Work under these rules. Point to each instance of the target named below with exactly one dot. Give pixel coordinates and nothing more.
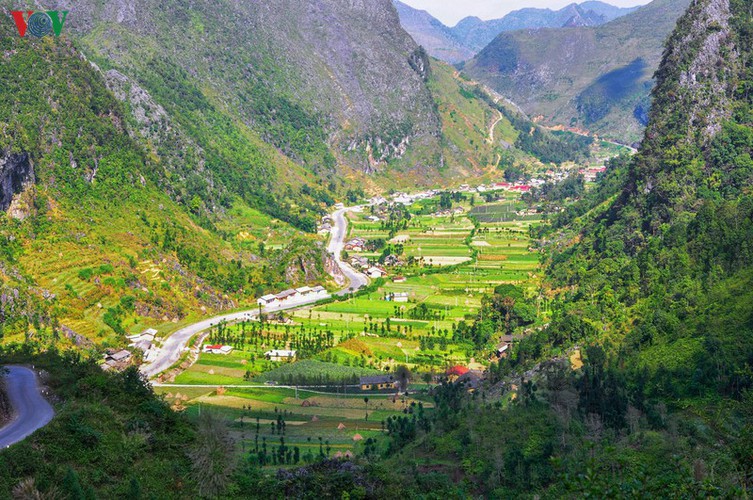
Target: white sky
(452, 11)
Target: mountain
(171, 159)
(165, 160)
(477, 34)
(321, 82)
(595, 78)
(439, 40)
(471, 34)
(651, 275)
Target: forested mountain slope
(595, 78)
(640, 385)
(315, 79)
(99, 234)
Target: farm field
(261, 420)
(447, 264)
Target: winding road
(175, 344)
(30, 410)
(335, 247)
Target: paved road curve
(171, 350)
(173, 347)
(31, 410)
(335, 247)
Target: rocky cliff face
(346, 67)
(698, 141)
(16, 175)
(697, 79)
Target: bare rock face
(16, 176)
(708, 80)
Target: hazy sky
(452, 11)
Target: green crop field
(449, 262)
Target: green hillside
(92, 241)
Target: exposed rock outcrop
(16, 176)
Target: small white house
(266, 300)
(218, 349)
(280, 355)
(375, 272)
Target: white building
(218, 349)
(267, 300)
(280, 355)
(375, 272)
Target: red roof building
(457, 371)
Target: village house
(280, 355)
(397, 297)
(117, 359)
(286, 296)
(359, 262)
(375, 272)
(218, 349)
(267, 300)
(378, 383)
(399, 279)
(471, 379)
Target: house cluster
(325, 225)
(217, 349)
(449, 212)
(355, 245)
(144, 342)
(362, 264)
(591, 173)
(294, 296)
(280, 355)
(409, 199)
(378, 383)
(358, 262)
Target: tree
(403, 375)
(72, 487)
(213, 457)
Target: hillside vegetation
(99, 237)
